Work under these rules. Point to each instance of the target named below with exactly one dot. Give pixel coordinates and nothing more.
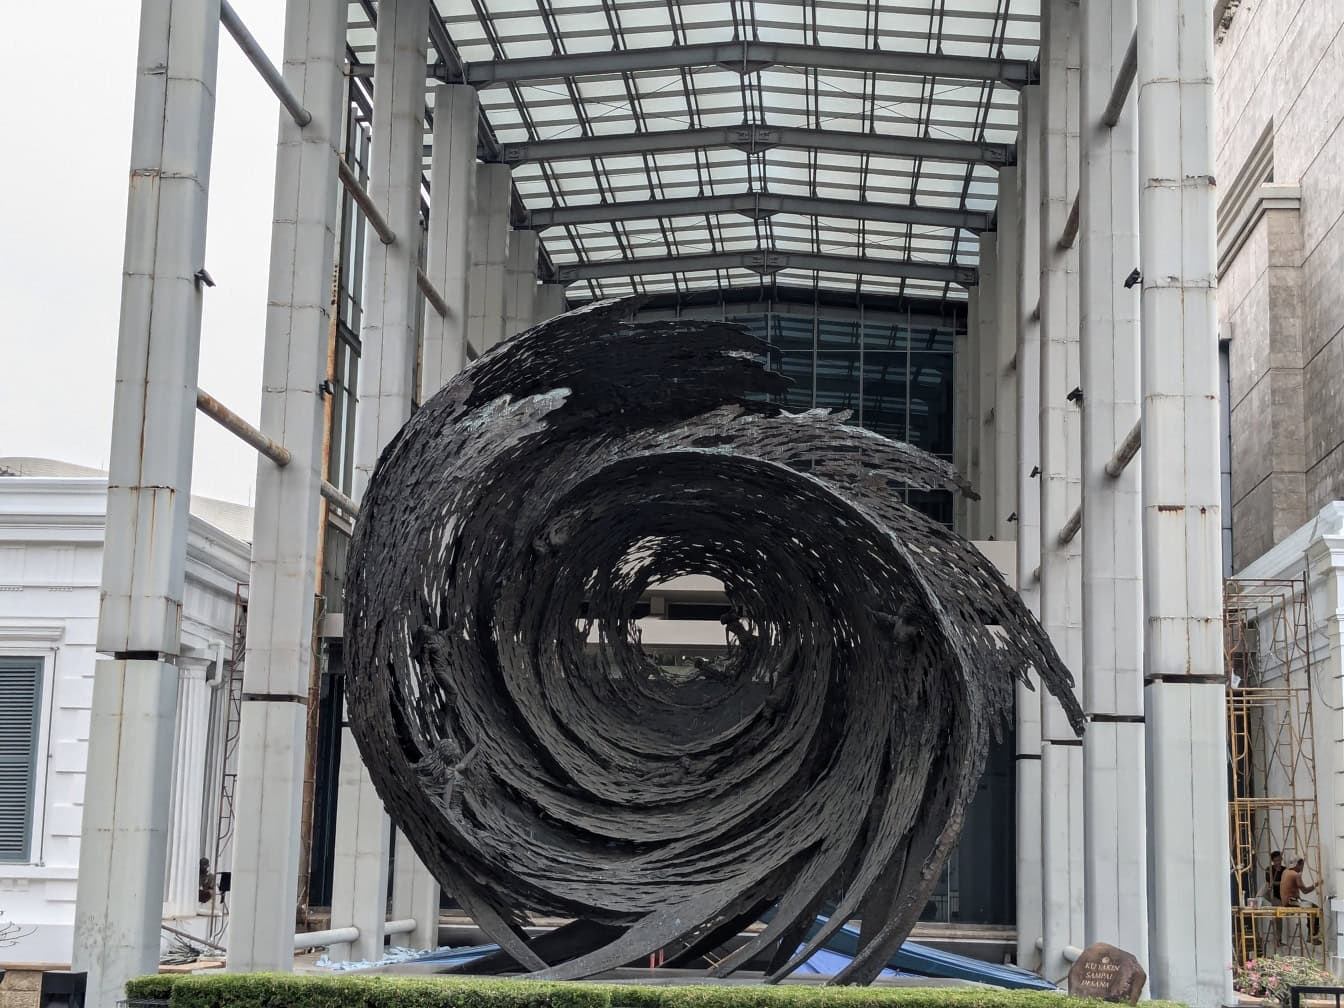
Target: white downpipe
(331, 936)
(215, 678)
(348, 935)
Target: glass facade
(890, 368)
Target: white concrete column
(961, 406)
(1061, 567)
(1029, 354)
(971, 392)
(550, 302)
(182, 885)
(520, 293)
(359, 860)
(415, 895)
(987, 365)
(386, 377)
(1030, 922)
(124, 841)
(415, 892)
(391, 298)
(1189, 889)
(489, 255)
(268, 809)
(452, 185)
(1005, 358)
(1114, 817)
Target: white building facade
(51, 555)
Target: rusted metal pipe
(1070, 235)
(307, 803)
(1124, 80)
(365, 202)
(1125, 453)
(434, 298)
(1071, 528)
(251, 48)
(334, 495)
(239, 427)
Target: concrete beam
(268, 811)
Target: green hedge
(263, 990)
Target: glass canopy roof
(678, 145)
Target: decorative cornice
(1268, 197)
(31, 631)
(75, 512)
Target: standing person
(1291, 890)
(1273, 877)
(1269, 893)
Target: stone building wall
(1280, 157)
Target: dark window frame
(15, 779)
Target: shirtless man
(1292, 889)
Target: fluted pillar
(182, 882)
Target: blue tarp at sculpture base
(824, 963)
(912, 960)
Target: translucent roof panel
(681, 145)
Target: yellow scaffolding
(1267, 645)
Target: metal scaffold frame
(1271, 749)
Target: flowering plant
(1274, 975)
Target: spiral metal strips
(824, 765)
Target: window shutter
(20, 704)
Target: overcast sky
(63, 175)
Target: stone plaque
(1106, 972)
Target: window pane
(20, 702)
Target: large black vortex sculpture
(824, 766)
